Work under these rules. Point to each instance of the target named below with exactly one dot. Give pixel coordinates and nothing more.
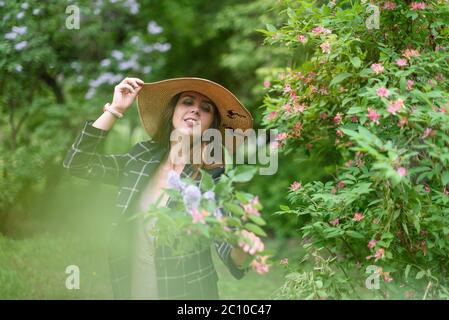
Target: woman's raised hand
(125, 93)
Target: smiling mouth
(191, 121)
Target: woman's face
(193, 109)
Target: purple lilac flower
(191, 197)
(174, 181)
(209, 195)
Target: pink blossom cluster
(260, 265)
(250, 243)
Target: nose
(195, 109)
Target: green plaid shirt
(190, 276)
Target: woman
(139, 268)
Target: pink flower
(383, 92)
(325, 47)
(299, 107)
(199, 217)
(387, 277)
(250, 243)
(250, 209)
(320, 29)
(338, 117)
(358, 216)
(377, 68)
(427, 132)
(339, 133)
(354, 118)
(323, 115)
(410, 84)
(409, 53)
(281, 136)
(335, 222)
(402, 122)
(373, 115)
(389, 5)
(295, 186)
(401, 62)
(417, 6)
(402, 171)
(284, 261)
(341, 185)
(266, 84)
(287, 108)
(372, 244)
(259, 264)
(272, 115)
(287, 88)
(302, 38)
(379, 254)
(395, 106)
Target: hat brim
(154, 97)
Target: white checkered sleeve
(85, 159)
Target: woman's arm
(85, 158)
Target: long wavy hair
(165, 128)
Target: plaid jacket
(191, 276)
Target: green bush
(376, 98)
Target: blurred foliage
(54, 77)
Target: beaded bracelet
(107, 107)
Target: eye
(188, 102)
(206, 107)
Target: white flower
(36, 11)
(2, 3)
(19, 30)
(19, 68)
(105, 62)
(10, 35)
(162, 47)
(118, 55)
(21, 45)
(134, 40)
(24, 5)
(154, 28)
(132, 5)
(20, 15)
(90, 93)
(76, 66)
(147, 69)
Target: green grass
(34, 268)
(72, 227)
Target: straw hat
(154, 97)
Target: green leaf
(234, 208)
(356, 62)
(207, 183)
(354, 234)
(339, 78)
(420, 274)
(284, 208)
(271, 28)
(244, 173)
(258, 220)
(256, 229)
(445, 178)
(407, 271)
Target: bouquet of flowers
(203, 211)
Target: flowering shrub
(378, 99)
(211, 211)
